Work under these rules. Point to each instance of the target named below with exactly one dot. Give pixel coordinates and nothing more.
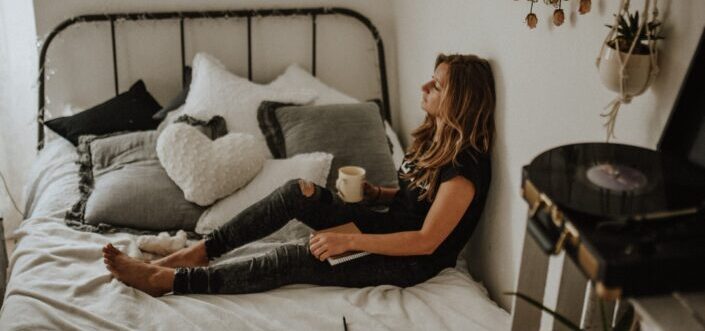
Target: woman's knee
(307, 190)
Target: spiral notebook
(349, 227)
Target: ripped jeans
(293, 263)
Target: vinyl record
(618, 182)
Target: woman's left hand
(325, 245)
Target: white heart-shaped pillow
(207, 170)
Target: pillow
(213, 129)
(295, 76)
(311, 166)
(178, 100)
(129, 111)
(171, 118)
(68, 110)
(123, 185)
(215, 91)
(397, 150)
(353, 133)
(207, 170)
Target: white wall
(548, 92)
(18, 62)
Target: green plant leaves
(627, 32)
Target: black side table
(625, 224)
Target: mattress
(58, 281)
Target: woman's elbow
(430, 249)
(428, 246)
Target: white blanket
(58, 281)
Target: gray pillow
(353, 133)
(123, 185)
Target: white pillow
(207, 170)
(397, 150)
(216, 91)
(294, 75)
(170, 118)
(276, 172)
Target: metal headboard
(182, 16)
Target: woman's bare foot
(151, 279)
(193, 256)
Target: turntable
(631, 218)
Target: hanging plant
(629, 32)
(628, 58)
(532, 20)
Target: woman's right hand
(371, 192)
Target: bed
(58, 280)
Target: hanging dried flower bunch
(558, 17)
(585, 6)
(531, 18)
(558, 13)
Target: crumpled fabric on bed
(58, 281)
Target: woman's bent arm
(452, 200)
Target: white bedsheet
(58, 281)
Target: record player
(633, 219)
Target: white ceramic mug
(350, 183)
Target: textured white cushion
(276, 172)
(216, 91)
(163, 243)
(207, 170)
(295, 76)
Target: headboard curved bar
(248, 13)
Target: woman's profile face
(432, 89)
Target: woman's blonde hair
(466, 117)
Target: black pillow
(178, 100)
(128, 111)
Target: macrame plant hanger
(624, 97)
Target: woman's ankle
(193, 256)
(163, 279)
(200, 253)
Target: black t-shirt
(470, 164)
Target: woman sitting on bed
(443, 181)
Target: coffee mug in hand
(351, 180)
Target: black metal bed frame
(182, 16)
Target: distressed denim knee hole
(308, 189)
